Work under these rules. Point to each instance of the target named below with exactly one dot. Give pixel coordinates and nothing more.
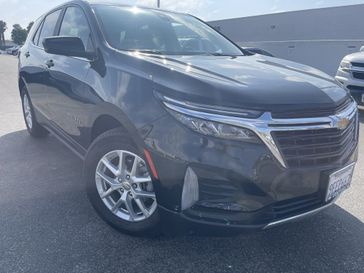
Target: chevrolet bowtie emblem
(343, 123)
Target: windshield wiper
(158, 52)
(223, 54)
(147, 51)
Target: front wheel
(119, 185)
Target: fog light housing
(190, 192)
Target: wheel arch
(107, 116)
(21, 84)
(103, 124)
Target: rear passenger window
(36, 35)
(75, 24)
(49, 26)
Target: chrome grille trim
(265, 124)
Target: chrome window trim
(266, 124)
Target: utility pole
(158, 3)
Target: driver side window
(75, 24)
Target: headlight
(345, 66)
(201, 119)
(220, 130)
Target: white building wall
(319, 37)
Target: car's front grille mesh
(358, 75)
(308, 148)
(357, 64)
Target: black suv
(173, 119)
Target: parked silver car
(13, 50)
(351, 75)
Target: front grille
(307, 113)
(354, 87)
(287, 208)
(358, 75)
(357, 64)
(321, 147)
(357, 93)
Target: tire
(106, 144)
(33, 127)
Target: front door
(69, 94)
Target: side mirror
(362, 48)
(66, 46)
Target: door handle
(27, 54)
(49, 63)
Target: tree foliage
(3, 28)
(19, 34)
(29, 27)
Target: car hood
(255, 82)
(355, 57)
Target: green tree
(2, 31)
(29, 27)
(19, 34)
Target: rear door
(35, 69)
(68, 92)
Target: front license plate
(339, 182)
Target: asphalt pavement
(48, 225)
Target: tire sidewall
(23, 94)
(108, 142)
(37, 130)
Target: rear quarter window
(36, 34)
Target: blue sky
(24, 11)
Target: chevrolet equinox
(175, 121)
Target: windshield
(160, 32)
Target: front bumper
(241, 185)
(355, 86)
(183, 222)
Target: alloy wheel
(27, 111)
(125, 186)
